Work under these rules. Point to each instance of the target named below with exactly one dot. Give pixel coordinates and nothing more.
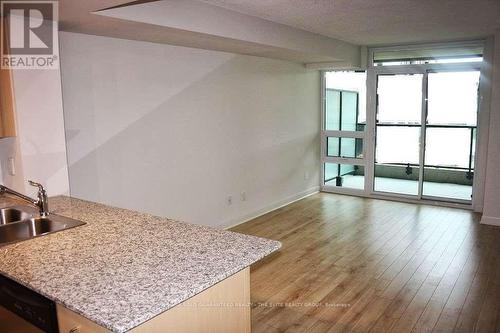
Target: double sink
(19, 223)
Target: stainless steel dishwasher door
(12, 323)
(23, 309)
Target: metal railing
(469, 168)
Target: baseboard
(270, 208)
(490, 220)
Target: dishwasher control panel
(29, 305)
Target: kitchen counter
(123, 267)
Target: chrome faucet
(42, 202)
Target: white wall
(39, 149)
(174, 131)
(491, 212)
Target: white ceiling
(306, 31)
(374, 22)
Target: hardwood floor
(351, 264)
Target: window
(344, 147)
(341, 110)
(452, 98)
(344, 175)
(399, 99)
(345, 101)
(343, 129)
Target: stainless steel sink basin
(13, 214)
(30, 225)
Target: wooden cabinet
(225, 307)
(7, 118)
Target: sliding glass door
(425, 134)
(398, 134)
(450, 136)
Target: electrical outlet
(229, 200)
(243, 196)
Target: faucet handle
(40, 186)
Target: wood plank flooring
(352, 264)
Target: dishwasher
(23, 310)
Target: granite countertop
(123, 267)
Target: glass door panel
(345, 176)
(344, 147)
(349, 114)
(451, 135)
(397, 160)
(398, 134)
(399, 99)
(341, 110)
(332, 110)
(452, 98)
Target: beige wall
(175, 131)
(491, 212)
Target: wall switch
(306, 175)
(243, 196)
(229, 200)
(12, 166)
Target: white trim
(420, 69)
(322, 128)
(451, 200)
(423, 133)
(342, 190)
(343, 160)
(277, 205)
(394, 197)
(490, 220)
(345, 134)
